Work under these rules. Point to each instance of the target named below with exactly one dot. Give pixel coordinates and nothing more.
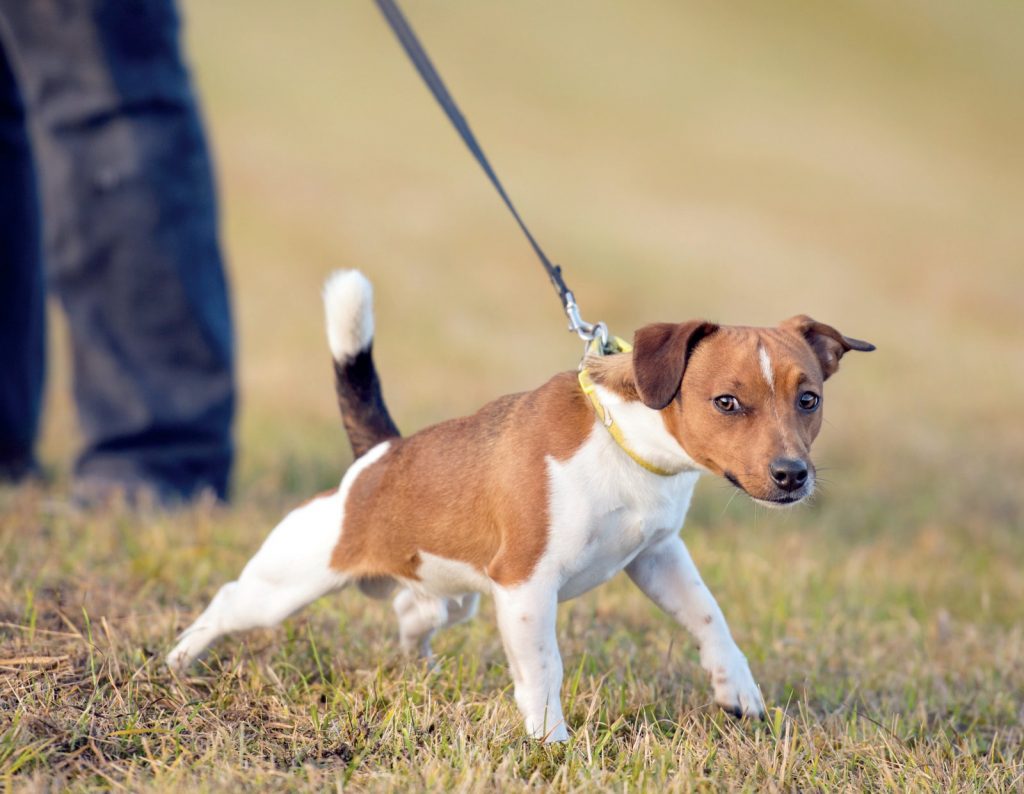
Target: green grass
(743, 162)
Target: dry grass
(743, 162)
(889, 662)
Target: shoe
(97, 491)
(17, 471)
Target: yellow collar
(590, 389)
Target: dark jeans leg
(22, 306)
(131, 239)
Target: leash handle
(411, 44)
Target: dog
(541, 496)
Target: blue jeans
(107, 198)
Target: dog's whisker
(735, 492)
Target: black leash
(411, 44)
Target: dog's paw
(181, 658)
(735, 689)
(548, 734)
(191, 644)
(178, 660)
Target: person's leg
(131, 241)
(22, 305)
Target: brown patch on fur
(827, 343)
(473, 489)
(660, 355)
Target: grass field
(743, 162)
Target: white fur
(645, 433)
(419, 616)
(526, 620)
(605, 509)
(448, 577)
(766, 367)
(609, 514)
(348, 305)
(291, 569)
(666, 573)
(445, 592)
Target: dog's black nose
(788, 473)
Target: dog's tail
(348, 304)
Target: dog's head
(745, 403)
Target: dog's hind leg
(289, 571)
(419, 617)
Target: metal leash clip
(588, 332)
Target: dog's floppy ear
(660, 352)
(827, 343)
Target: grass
(743, 162)
(888, 663)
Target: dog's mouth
(776, 497)
(783, 501)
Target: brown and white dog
(533, 501)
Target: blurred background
(742, 162)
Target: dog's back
(471, 490)
(424, 494)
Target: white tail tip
(348, 305)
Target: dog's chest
(605, 512)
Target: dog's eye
(726, 403)
(809, 401)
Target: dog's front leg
(666, 574)
(526, 619)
